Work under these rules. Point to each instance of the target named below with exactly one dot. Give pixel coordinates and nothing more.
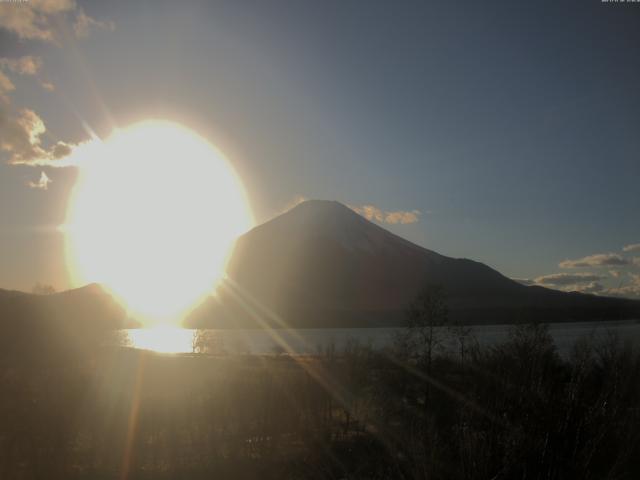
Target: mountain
(88, 306)
(321, 264)
(49, 327)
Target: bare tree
(462, 335)
(427, 316)
(207, 341)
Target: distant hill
(322, 265)
(88, 306)
(46, 328)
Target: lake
(313, 340)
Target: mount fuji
(321, 264)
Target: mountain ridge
(89, 305)
(322, 264)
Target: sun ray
(132, 422)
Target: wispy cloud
(595, 288)
(573, 282)
(634, 247)
(6, 86)
(84, 23)
(590, 282)
(42, 183)
(50, 87)
(629, 290)
(591, 287)
(568, 282)
(597, 260)
(26, 65)
(371, 212)
(564, 279)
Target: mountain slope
(40, 329)
(321, 264)
(89, 306)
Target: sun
(153, 218)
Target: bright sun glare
(152, 217)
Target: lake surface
(312, 341)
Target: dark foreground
(512, 411)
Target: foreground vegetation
(71, 410)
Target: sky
(505, 132)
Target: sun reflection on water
(163, 339)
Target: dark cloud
(61, 150)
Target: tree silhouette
(426, 317)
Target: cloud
(61, 150)
(525, 281)
(631, 290)
(6, 86)
(402, 217)
(42, 183)
(590, 282)
(634, 247)
(20, 137)
(84, 23)
(26, 65)
(565, 279)
(33, 20)
(39, 19)
(21, 131)
(371, 212)
(628, 291)
(50, 87)
(597, 260)
(573, 282)
(591, 287)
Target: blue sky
(511, 127)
